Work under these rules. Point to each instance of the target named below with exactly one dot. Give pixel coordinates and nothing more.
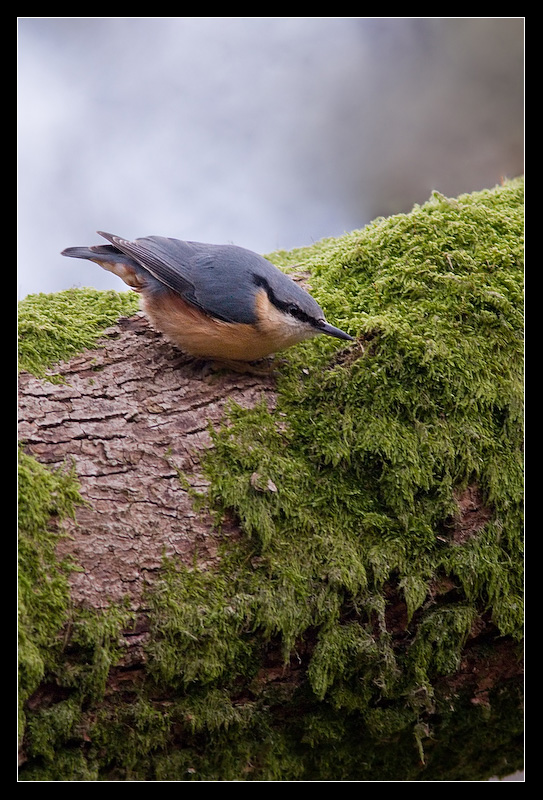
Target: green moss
(54, 327)
(129, 736)
(44, 497)
(197, 630)
(346, 651)
(78, 665)
(94, 650)
(376, 444)
(354, 583)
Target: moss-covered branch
(367, 622)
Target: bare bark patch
(472, 514)
(132, 415)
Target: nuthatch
(213, 301)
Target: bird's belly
(200, 335)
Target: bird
(215, 302)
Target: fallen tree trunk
(315, 576)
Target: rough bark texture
(133, 415)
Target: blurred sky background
(266, 132)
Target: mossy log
(311, 576)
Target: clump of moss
(77, 665)
(44, 497)
(367, 450)
(53, 327)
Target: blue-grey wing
(168, 260)
(212, 277)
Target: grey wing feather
(168, 260)
(211, 277)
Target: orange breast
(199, 335)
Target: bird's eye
(293, 309)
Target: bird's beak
(325, 327)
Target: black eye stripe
(297, 312)
(289, 308)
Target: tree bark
(132, 415)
